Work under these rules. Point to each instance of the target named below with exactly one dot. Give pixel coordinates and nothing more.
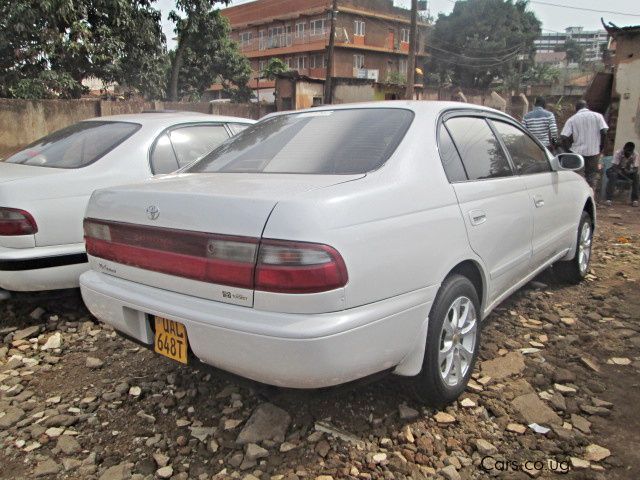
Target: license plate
(171, 339)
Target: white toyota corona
(322, 246)
(44, 188)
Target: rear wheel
(453, 340)
(574, 270)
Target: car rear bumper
(42, 268)
(288, 350)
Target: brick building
(372, 38)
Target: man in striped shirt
(585, 134)
(542, 124)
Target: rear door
(548, 201)
(494, 202)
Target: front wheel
(453, 341)
(574, 270)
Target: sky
(553, 18)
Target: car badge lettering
(153, 212)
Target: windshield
(75, 146)
(329, 142)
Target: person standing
(542, 124)
(624, 165)
(585, 134)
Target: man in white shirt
(585, 133)
(624, 165)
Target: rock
(467, 403)
(595, 453)
(62, 420)
(253, 452)
(322, 448)
(146, 416)
(578, 463)
(230, 424)
(12, 415)
(516, 428)
(135, 391)
(70, 464)
(619, 361)
(564, 389)
(54, 341)
(407, 413)
(161, 459)
(213, 446)
(581, 423)
(146, 466)
(46, 467)
(68, 445)
(287, 447)
(450, 473)
(26, 333)
(37, 313)
(379, 457)
(93, 362)
(484, 447)
(590, 364)
(54, 432)
(267, 422)
(443, 417)
(121, 471)
(535, 410)
(343, 435)
(165, 472)
(202, 433)
(502, 367)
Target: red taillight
(268, 265)
(16, 222)
(295, 267)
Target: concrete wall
(627, 89)
(306, 92)
(24, 121)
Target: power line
(583, 8)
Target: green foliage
(396, 78)
(575, 51)
(274, 67)
(204, 54)
(542, 74)
(483, 41)
(48, 47)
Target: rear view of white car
(44, 188)
(323, 246)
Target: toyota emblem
(153, 212)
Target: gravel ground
(555, 393)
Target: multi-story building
(593, 42)
(372, 38)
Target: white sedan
(44, 188)
(323, 246)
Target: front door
(494, 203)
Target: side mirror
(567, 161)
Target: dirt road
(78, 401)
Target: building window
(358, 61)
(301, 63)
(358, 28)
(300, 29)
(404, 66)
(263, 39)
(263, 65)
(317, 61)
(245, 38)
(276, 37)
(318, 27)
(289, 62)
(404, 35)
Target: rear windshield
(75, 146)
(323, 142)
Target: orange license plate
(171, 340)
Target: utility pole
(328, 87)
(413, 41)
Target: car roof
(428, 107)
(166, 119)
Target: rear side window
(320, 142)
(451, 161)
(527, 156)
(480, 150)
(76, 146)
(183, 145)
(192, 143)
(236, 128)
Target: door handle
(477, 217)
(538, 201)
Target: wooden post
(328, 87)
(413, 41)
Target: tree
(48, 47)
(274, 67)
(575, 51)
(205, 54)
(481, 41)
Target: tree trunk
(172, 94)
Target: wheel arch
(472, 270)
(590, 208)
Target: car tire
(452, 345)
(574, 270)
